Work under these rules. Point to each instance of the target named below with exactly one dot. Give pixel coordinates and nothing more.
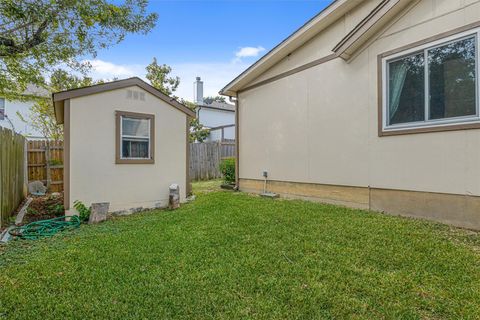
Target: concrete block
(98, 212)
(174, 196)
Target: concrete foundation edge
(453, 209)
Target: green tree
(209, 100)
(61, 80)
(158, 75)
(198, 133)
(38, 35)
(41, 115)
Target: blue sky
(213, 39)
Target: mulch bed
(45, 207)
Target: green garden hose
(45, 228)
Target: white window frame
(122, 136)
(426, 123)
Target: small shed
(125, 143)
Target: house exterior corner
(314, 121)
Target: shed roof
(60, 97)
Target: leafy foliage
(158, 75)
(61, 80)
(227, 168)
(198, 133)
(209, 100)
(38, 35)
(83, 211)
(45, 207)
(41, 115)
(42, 118)
(56, 209)
(55, 162)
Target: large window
(2, 109)
(135, 138)
(432, 85)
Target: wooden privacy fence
(13, 179)
(45, 163)
(205, 158)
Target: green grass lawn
(206, 186)
(231, 255)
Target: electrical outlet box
(265, 173)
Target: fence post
(47, 164)
(25, 168)
(12, 177)
(205, 159)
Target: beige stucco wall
(94, 176)
(320, 125)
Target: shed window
(432, 85)
(2, 109)
(135, 137)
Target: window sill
(134, 161)
(437, 128)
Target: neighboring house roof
(33, 90)
(373, 22)
(221, 127)
(222, 106)
(60, 97)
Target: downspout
(199, 107)
(235, 101)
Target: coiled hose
(45, 228)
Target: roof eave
(120, 84)
(318, 23)
(380, 17)
(58, 109)
(376, 21)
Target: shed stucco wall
(94, 176)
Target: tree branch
(11, 48)
(23, 26)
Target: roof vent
(135, 95)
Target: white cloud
(107, 70)
(249, 52)
(215, 75)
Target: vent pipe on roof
(198, 91)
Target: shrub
(56, 162)
(56, 209)
(227, 167)
(83, 211)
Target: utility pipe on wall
(265, 175)
(234, 100)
